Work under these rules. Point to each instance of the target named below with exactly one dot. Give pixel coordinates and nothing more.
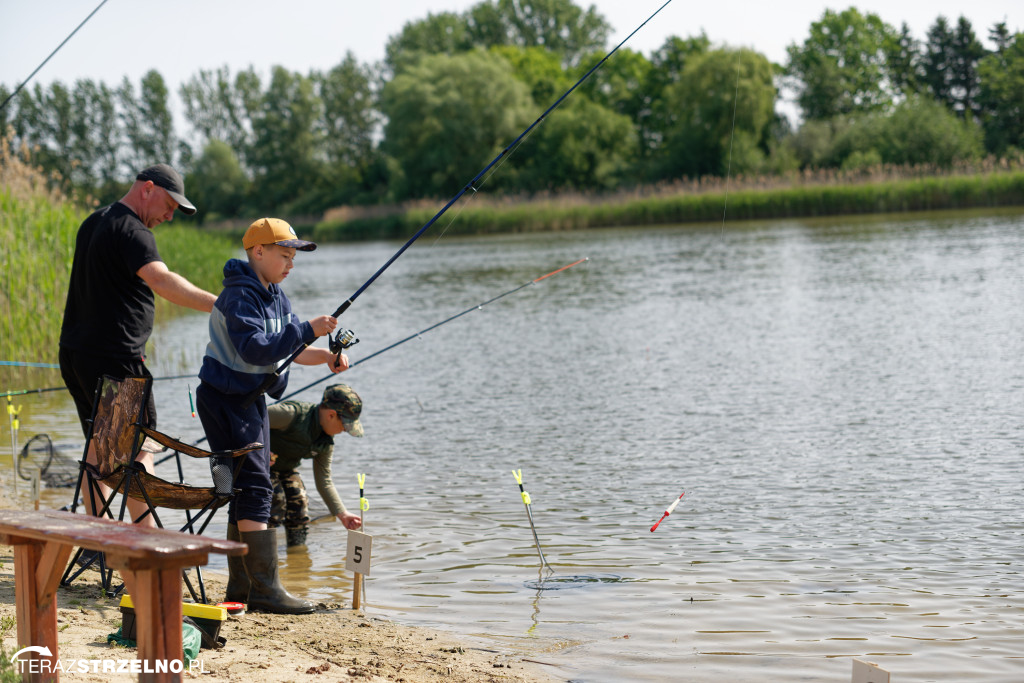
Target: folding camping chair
(118, 436)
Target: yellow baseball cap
(274, 231)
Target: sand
(335, 643)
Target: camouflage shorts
(290, 506)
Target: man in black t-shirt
(108, 316)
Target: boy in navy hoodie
(252, 329)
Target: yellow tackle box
(207, 617)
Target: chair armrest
(194, 451)
(254, 446)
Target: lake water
(838, 399)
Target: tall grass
(37, 241)
(199, 255)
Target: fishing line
(271, 378)
(415, 335)
(476, 189)
(18, 89)
(732, 138)
(21, 392)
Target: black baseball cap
(166, 177)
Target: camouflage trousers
(290, 506)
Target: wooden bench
(149, 560)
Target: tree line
(455, 88)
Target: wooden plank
(37, 617)
(51, 566)
(108, 535)
(156, 595)
(150, 561)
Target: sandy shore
(335, 643)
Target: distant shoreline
(767, 199)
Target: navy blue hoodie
(252, 329)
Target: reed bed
(883, 189)
(37, 239)
(37, 236)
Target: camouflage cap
(346, 401)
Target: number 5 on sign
(357, 558)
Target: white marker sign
(357, 557)
(868, 672)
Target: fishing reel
(341, 341)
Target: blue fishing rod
(344, 339)
(414, 335)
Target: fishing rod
(415, 335)
(25, 364)
(21, 392)
(271, 378)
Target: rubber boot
(295, 535)
(266, 594)
(238, 580)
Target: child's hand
(339, 364)
(323, 324)
(350, 521)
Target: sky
(180, 38)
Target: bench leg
(38, 566)
(156, 594)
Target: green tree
(1000, 36)
(5, 110)
(217, 184)
(349, 115)
(443, 33)
(919, 130)
(621, 83)
(56, 127)
(667, 64)
(556, 25)
(347, 127)
(541, 70)
(904, 63)
(841, 68)
(581, 145)
(922, 131)
(447, 117)
(95, 139)
(286, 147)
(951, 65)
(724, 97)
(1001, 96)
(147, 121)
(217, 106)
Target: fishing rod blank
(413, 336)
(471, 185)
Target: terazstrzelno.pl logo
(38, 665)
